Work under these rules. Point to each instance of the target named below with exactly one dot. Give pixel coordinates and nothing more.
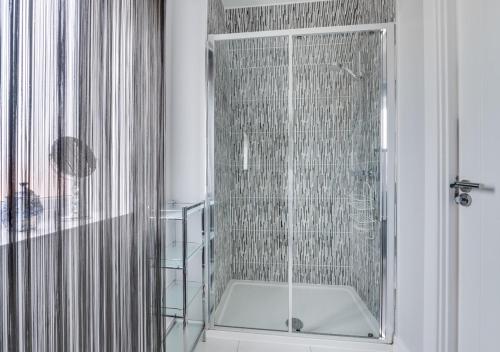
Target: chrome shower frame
(388, 181)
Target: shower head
(349, 71)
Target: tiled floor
(223, 345)
(216, 345)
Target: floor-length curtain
(82, 174)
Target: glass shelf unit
(172, 254)
(182, 338)
(173, 300)
(182, 263)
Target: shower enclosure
(301, 129)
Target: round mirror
(72, 157)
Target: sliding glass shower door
(298, 177)
(336, 149)
(251, 182)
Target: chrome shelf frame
(183, 331)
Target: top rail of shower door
(301, 31)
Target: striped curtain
(81, 174)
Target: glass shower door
(336, 147)
(301, 168)
(250, 148)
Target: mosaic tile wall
(334, 150)
(301, 15)
(216, 19)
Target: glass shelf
(173, 211)
(169, 214)
(179, 338)
(172, 255)
(172, 302)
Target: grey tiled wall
(301, 15)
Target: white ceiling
(233, 4)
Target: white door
(479, 161)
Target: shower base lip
(329, 312)
(333, 343)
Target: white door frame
(441, 160)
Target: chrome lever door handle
(465, 186)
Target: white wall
(411, 173)
(186, 59)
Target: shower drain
(297, 324)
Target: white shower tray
(323, 309)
